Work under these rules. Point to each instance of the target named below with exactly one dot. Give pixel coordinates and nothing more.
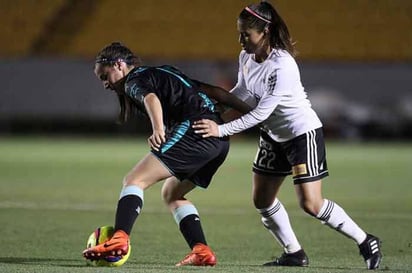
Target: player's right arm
(155, 113)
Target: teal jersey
(180, 97)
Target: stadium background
(61, 165)
(355, 58)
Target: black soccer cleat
(370, 249)
(297, 258)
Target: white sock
(276, 220)
(332, 215)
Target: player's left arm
(155, 112)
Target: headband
(257, 15)
(105, 60)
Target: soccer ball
(99, 236)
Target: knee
(130, 179)
(166, 194)
(127, 181)
(311, 207)
(169, 194)
(262, 203)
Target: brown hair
(108, 56)
(264, 16)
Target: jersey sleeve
(284, 79)
(261, 112)
(138, 87)
(280, 83)
(240, 89)
(267, 104)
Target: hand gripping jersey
(274, 89)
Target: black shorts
(303, 156)
(188, 155)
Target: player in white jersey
(291, 139)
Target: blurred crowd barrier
(354, 101)
(355, 57)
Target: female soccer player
(172, 101)
(291, 138)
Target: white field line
(203, 210)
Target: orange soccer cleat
(201, 255)
(118, 245)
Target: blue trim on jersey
(183, 211)
(209, 103)
(131, 190)
(176, 75)
(138, 70)
(178, 133)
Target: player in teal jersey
(172, 101)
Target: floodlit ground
(55, 192)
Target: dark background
(355, 60)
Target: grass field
(55, 192)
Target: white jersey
(274, 89)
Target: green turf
(54, 192)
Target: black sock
(128, 208)
(192, 230)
